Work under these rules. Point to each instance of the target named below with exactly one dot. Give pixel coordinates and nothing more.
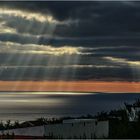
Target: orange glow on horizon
(76, 86)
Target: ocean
(23, 106)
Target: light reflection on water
(30, 105)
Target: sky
(71, 45)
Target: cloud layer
(70, 40)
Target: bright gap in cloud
(28, 15)
(6, 29)
(122, 61)
(11, 47)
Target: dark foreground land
(120, 127)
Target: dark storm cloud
(67, 74)
(87, 40)
(95, 18)
(59, 9)
(105, 19)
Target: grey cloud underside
(106, 74)
(105, 36)
(86, 42)
(37, 67)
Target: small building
(68, 129)
(77, 129)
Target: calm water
(30, 105)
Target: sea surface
(24, 106)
